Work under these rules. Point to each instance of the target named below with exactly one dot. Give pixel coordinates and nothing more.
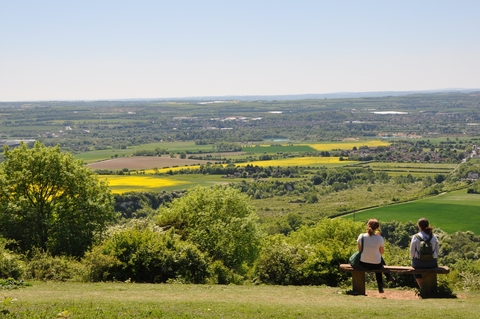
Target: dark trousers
(378, 275)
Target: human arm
(413, 247)
(436, 249)
(359, 242)
(381, 247)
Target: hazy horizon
(119, 50)
(332, 95)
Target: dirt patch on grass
(397, 294)
(393, 294)
(144, 162)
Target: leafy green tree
(220, 221)
(51, 201)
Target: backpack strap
(425, 240)
(361, 250)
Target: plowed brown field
(143, 162)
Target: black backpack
(426, 248)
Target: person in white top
(426, 233)
(373, 249)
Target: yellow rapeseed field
(348, 145)
(297, 161)
(125, 183)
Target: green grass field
(451, 212)
(128, 300)
(95, 156)
(415, 169)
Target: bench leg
(429, 285)
(358, 280)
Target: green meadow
(451, 212)
(130, 300)
(415, 169)
(98, 155)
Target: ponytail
(424, 225)
(372, 226)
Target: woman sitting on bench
(424, 249)
(373, 250)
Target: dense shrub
(43, 266)
(219, 274)
(11, 265)
(141, 254)
(279, 263)
(465, 274)
(310, 255)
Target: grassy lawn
(455, 211)
(127, 300)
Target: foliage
(397, 233)
(310, 255)
(279, 263)
(45, 267)
(465, 274)
(444, 289)
(460, 245)
(11, 265)
(51, 201)
(141, 254)
(128, 204)
(219, 220)
(220, 274)
(11, 283)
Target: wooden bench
(429, 283)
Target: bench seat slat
(399, 269)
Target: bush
(310, 255)
(11, 265)
(219, 274)
(42, 266)
(279, 263)
(141, 254)
(465, 274)
(11, 283)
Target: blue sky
(68, 50)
